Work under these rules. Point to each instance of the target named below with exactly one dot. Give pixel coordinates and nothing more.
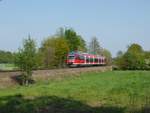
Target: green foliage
(6, 57)
(108, 92)
(26, 59)
(108, 56)
(147, 59)
(6, 66)
(135, 48)
(75, 41)
(53, 51)
(132, 59)
(119, 54)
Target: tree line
(6, 57)
(53, 49)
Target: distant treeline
(6, 57)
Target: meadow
(7, 66)
(105, 92)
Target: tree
(61, 51)
(132, 59)
(75, 41)
(54, 50)
(135, 57)
(6, 57)
(118, 61)
(94, 46)
(108, 56)
(119, 54)
(26, 59)
(147, 59)
(47, 52)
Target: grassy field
(107, 92)
(7, 66)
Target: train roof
(84, 54)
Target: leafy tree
(26, 59)
(54, 50)
(108, 56)
(118, 61)
(135, 48)
(47, 52)
(61, 50)
(119, 54)
(147, 54)
(6, 57)
(94, 46)
(132, 59)
(147, 59)
(75, 41)
(135, 57)
(82, 45)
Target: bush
(133, 59)
(26, 59)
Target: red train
(84, 59)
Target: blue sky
(116, 23)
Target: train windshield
(71, 57)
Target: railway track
(58, 71)
(6, 77)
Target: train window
(81, 57)
(105, 60)
(96, 60)
(77, 58)
(91, 59)
(71, 57)
(100, 60)
(87, 60)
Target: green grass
(107, 92)
(6, 66)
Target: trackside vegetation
(53, 49)
(135, 58)
(26, 59)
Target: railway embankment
(8, 78)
